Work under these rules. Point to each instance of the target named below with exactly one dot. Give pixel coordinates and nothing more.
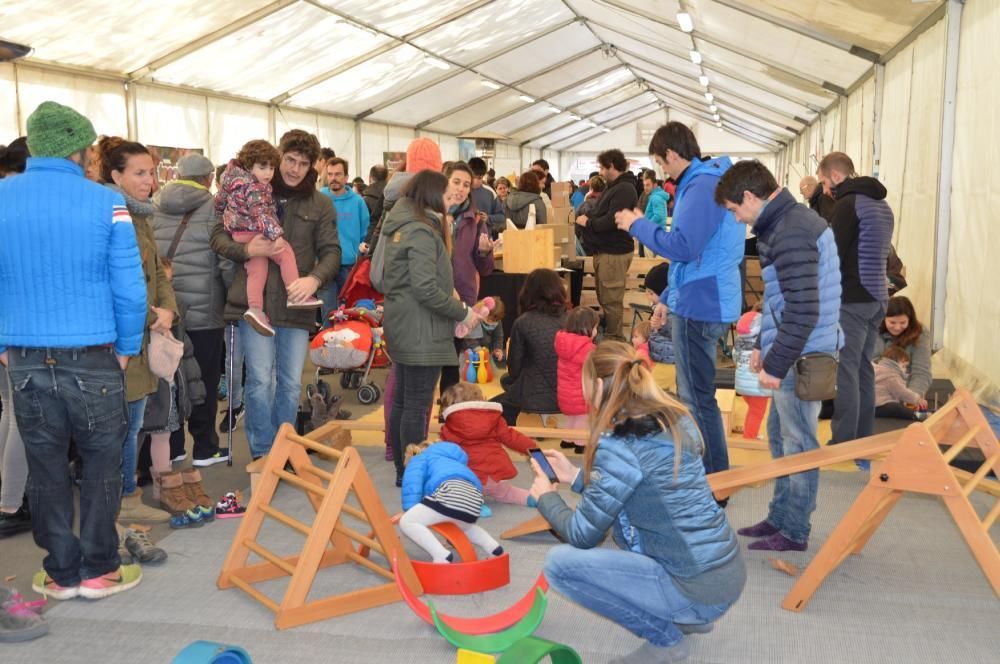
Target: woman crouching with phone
(677, 568)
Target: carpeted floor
(915, 595)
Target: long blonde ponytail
(619, 387)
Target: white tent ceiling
(544, 73)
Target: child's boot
(174, 498)
(196, 492)
(133, 509)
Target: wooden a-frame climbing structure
(915, 463)
(329, 541)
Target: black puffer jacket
(531, 363)
(190, 388)
(601, 235)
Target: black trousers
(209, 350)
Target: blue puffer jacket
(632, 490)
(656, 207)
(801, 272)
(704, 246)
(70, 273)
(428, 470)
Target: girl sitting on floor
(892, 396)
(438, 487)
(478, 427)
(574, 343)
(678, 567)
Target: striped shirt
(457, 499)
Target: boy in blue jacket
(439, 487)
(705, 248)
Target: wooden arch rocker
(328, 540)
(914, 463)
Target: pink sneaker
(308, 303)
(43, 584)
(259, 322)
(123, 578)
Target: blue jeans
(274, 381)
(694, 353)
(854, 405)
(791, 428)
(80, 394)
(331, 292)
(130, 448)
(629, 588)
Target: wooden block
(563, 215)
(726, 400)
(527, 250)
(560, 199)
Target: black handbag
(816, 377)
(815, 374)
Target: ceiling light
(696, 57)
(526, 98)
(703, 80)
(434, 62)
(716, 117)
(490, 84)
(685, 22)
(709, 97)
(590, 123)
(713, 108)
(605, 130)
(574, 116)
(553, 109)
(720, 130)
(719, 125)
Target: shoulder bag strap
(177, 236)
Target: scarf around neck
(305, 188)
(134, 205)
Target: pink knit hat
(422, 154)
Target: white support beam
(588, 131)
(556, 93)
(201, 42)
(639, 93)
(946, 158)
(627, 114)
(512, 86)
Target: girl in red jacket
(478, 427)
(573, 344)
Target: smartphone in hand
(544, 464)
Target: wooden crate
(527, 250)
(562, 215)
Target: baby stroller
(358, 285)
(352, 345)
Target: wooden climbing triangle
(917, 464)
(329, 541)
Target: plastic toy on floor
(209, 652)
(477, 368)
(482, 309)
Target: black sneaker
(13, 523)
(219, 457)
(237, 416)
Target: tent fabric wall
(911, 139)
(972, 308)
(231, 124)
(101, 100)
(9, 129)
(174, 119)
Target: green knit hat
(55, 130)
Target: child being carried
(438, 487)
(478, 427)
(246, 205)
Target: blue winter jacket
(428, 470)
(801, 272)
(352, 222)
(656, 207)
(633, 491)
(70, 273)
(704, 246)
(577, 198)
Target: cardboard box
(560, 199)
(562, 187)
(527, 250)
(563, 238)
(563, 216)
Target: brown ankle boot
(173, 496)
(196, 492)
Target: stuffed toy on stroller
(353, 345)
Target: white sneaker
(259, 322)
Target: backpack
(661, 346)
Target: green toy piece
(532, 650)
(499, 641)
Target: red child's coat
(572, 351)
(479, 429)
